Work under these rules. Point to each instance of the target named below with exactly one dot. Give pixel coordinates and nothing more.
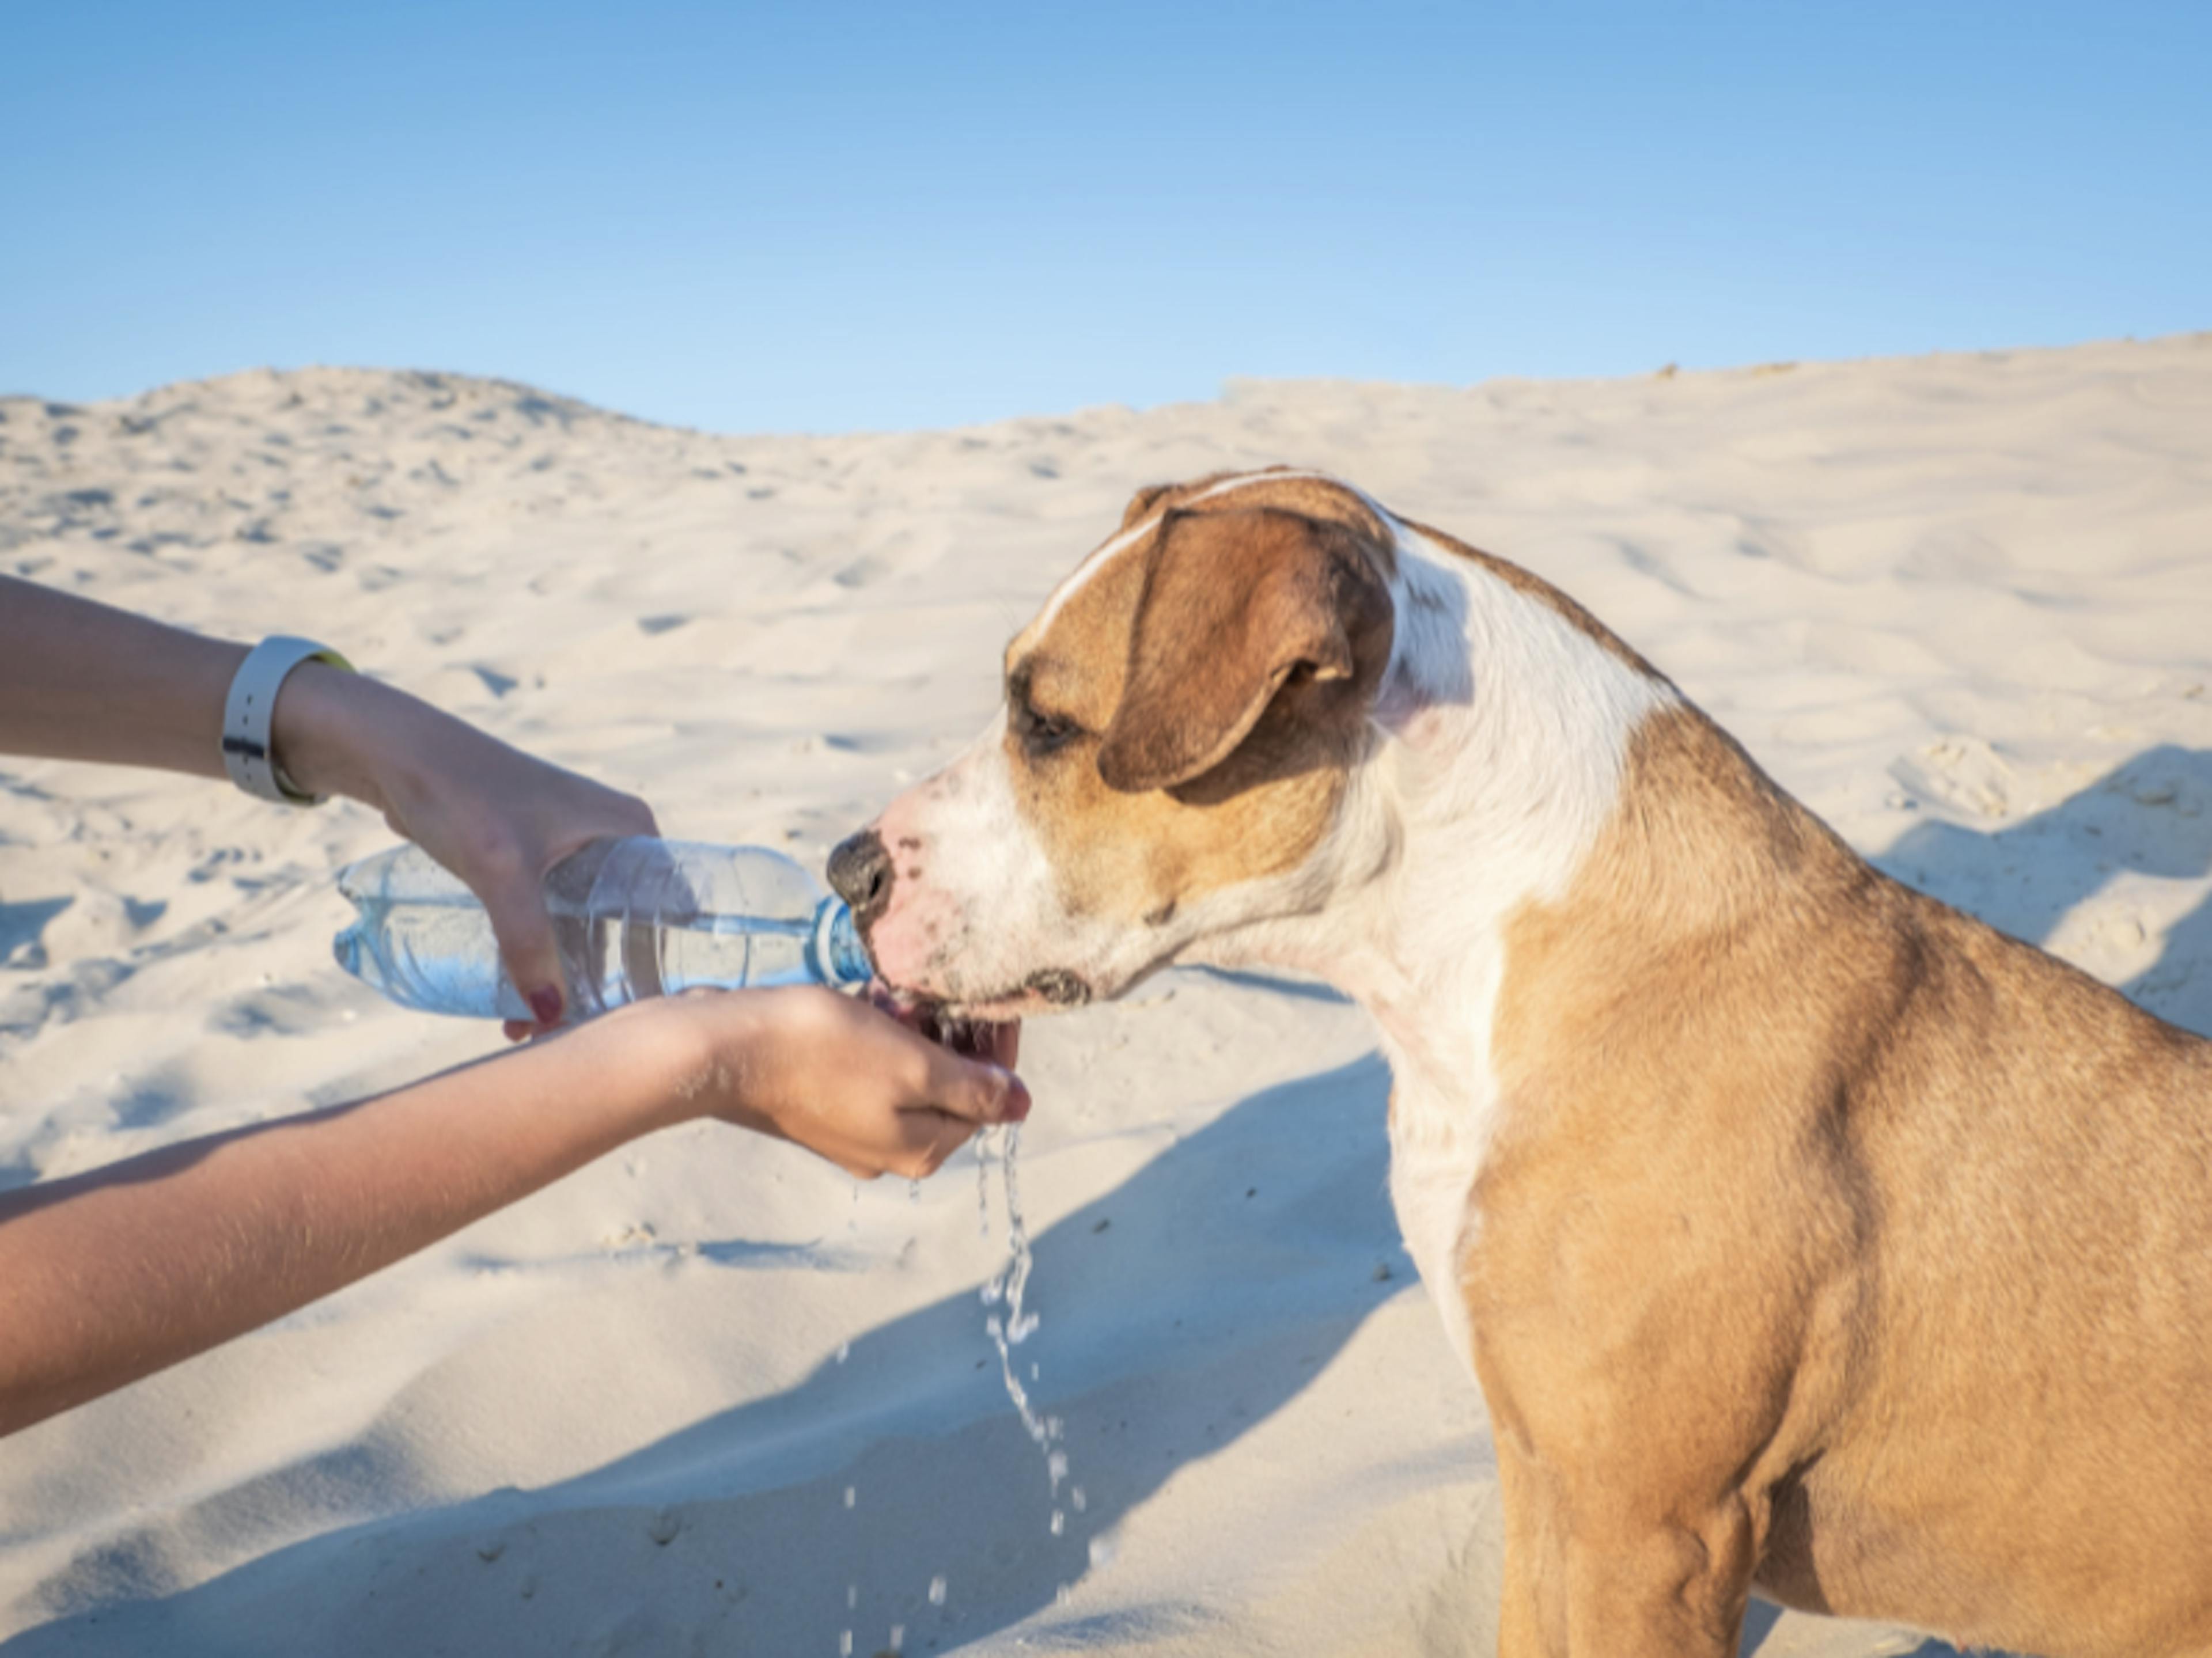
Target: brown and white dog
(1802, 1232)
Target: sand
(707, 1397)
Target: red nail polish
(545, 1003)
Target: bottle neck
(838, 955)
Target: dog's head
(1181, 723)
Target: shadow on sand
(1186, 1311)
(2151, 816)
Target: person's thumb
(525, 932)
(975, 1089)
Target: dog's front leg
(1532, 1612)
(1582, 1582)
(1623, 1540)
(1659, 1590)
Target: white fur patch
(1514, 729)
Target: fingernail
(1016, 1109)
(545, 1003)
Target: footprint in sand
(278, 1011)
(1963, 773)
(22, 931)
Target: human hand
(848, 1081)
(497, 818)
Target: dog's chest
(1444, 1105)
(1437, 1139)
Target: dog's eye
(1041, 733)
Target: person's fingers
(525, 932)
(926, 1138)
(975, 1091)
(569, 825)
(639, 818)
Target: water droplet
(937, 1591)
(898, 1638)
(844, 1351)
(1080, 1501)
(1059, 1522)
(913, 1190)
(845, 1644)
(852, 1596)
(851, 1497)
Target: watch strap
(249, 752)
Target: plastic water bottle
(632, 917)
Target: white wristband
(249, 753)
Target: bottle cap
(835, 953)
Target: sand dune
(705, 1397)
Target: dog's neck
(1502, 736)
(1502, 729)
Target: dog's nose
(860, 873)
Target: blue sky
(830, 215)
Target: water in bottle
(632, 917)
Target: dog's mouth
(984, 1026)
(1057, 986)
(959, 1029)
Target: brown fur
(1217, 677)
(1832, 1240)
(1281, 488)
(1235, 604)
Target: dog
(1801, 1231)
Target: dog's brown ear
(1141, 503)
(1234, 605)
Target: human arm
(108, 1276)
(83, 681)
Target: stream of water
(1010, 1322)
